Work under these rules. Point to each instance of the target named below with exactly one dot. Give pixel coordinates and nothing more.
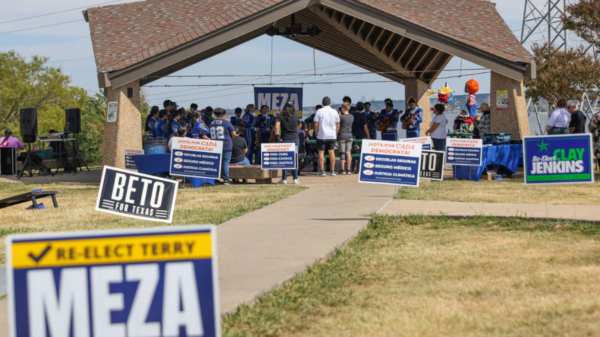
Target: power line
(56, 24)
(67, 10)
(236, 82)
(69, 60)
(298, 83)
(317, 74)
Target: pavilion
(410, 41)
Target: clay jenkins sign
(136, 195)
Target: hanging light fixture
(294, 30)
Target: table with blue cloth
(158, 165)
(507, 156)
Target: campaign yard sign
(390, 163)
(559, 159)
(136, 195)
(464, 151)
(147, 282)
(196, 158)
(129, 162)
(424, 141)
(432, 165)
(275, 98)
(280, 156)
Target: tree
(91, 141)
(32, 84)
(562, 74)
(584, 19)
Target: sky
(66, 42)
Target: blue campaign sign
(275, 98)
(464, 151)
(280, 156)
(196, 158)
(141, 282)
(560, 159)
(390, 163)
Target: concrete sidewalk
(534, 211)
(260, 250)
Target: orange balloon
(472, 87)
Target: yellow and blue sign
(275, 98)
(559, 159)
(142, 282)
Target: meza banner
(147, 282)
(464, 151)
(560, 159)
(136, 195)
(129, 162)
(281, 156)
(432, 165)
(197, 158)
(424, 141)
(390, 163)
(275, 98)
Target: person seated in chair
(10, 141)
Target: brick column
(126, 132)
(418, 89)
(514, 120)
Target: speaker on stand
(28, 123)
(73, 126)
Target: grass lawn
(505, 191)
(77, 208)
(429, 276)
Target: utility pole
(547, 21)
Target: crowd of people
(329, 128)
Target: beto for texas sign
(560, 159)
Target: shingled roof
(127, 35)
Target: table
(60, 152)
(158, 165)
(508, 156)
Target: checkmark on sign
(41, 255)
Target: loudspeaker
(73, 120)
(8, 161)
(29, 124)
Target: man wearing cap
(484, 121)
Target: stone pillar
(514, 120)
(125, 132)
(418, 90)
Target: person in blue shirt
(162, 128)
(390, 116)
(207, 115)
(414, 129)
(199, 127)
(371, 118)
(175, 123)
(249, 132)
(264, 123)
(151, 122)
(236, 120)
(222, 130)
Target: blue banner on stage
(390, 163)
(142, 282)
(275, 98)
(464, 152)
(560, 159)
(196, 158)
(280, 156)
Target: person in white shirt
(437, 128)
(326, 128)
(560, 119)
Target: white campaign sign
(425, 141)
